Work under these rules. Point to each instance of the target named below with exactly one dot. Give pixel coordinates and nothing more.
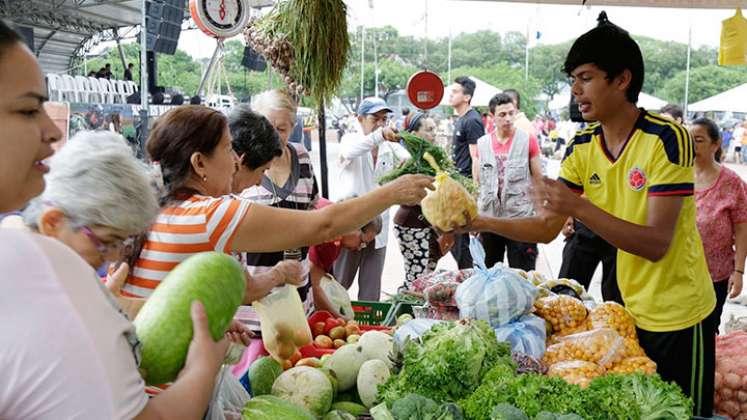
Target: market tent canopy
(685, 4)
(483, 93)
(734, 100)
(646, 101)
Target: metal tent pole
(687, 70)
(211, 65)
(144, 114)
(323, 149)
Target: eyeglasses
(105, 248)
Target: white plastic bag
(337, 296)
(283, 322)
(229, 397)
(527, 335)
(497, 295)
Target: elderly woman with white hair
(67, 352)
(97, 196)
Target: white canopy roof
(645, 101)
(685, 4)
(734, 100)
(483, 93)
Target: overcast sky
(555, 23)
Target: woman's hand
(288, 272)
(735, 285)
(239, 333)
(204, 354)
(114, 283)
(410, 189)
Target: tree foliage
(495, 58)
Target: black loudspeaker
(253, 60)
(27, 33)
(573, 111)
(164, 25)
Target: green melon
(164, 324)
(268, 407)
(262, 374)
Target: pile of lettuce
(447, 363)
(621, 397)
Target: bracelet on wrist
(739, 271)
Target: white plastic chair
(107, 91)
(122, 91)
(127, 88)
(95, 95)
(69, 89)
(54, 87)
(84, 88)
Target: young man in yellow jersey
(635, 169)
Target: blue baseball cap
(372, 105)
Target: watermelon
(262, 374)
(268, 407)
(164, 324)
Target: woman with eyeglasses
(67, 352)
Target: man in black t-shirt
(467, 130)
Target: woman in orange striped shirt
(192, 145)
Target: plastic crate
(400, 309)
(371, 313)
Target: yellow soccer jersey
(657, 160)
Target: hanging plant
(306, 41)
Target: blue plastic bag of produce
(413, 329)
(527, 335)
(497, 295)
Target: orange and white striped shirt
(197, 224)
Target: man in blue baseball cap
(365, 155)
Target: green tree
(705, 82)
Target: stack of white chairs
(66, 88)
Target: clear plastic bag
(526, 335)
(562, 312)
(635, 364)
(337, 296)
(731, 375)
(497, 295)
(578, 372)
(229, 397)
(440, 276)
(450, 205)
(555, 285)
(441, 294)
(604, 347)
(283, 322)
(615, 316)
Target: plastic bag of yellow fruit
(633, 347)
(562, 312)
(615, 316)
(604, 347)
(635, 364)
(558, 336)
(450, 205)
(578, 372)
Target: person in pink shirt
(508, 159)
(721, 199)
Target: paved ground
(550, 255)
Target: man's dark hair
(405, 111)
(674, 110)
(468, 86)
(130, 65)
(515, 96)
(108, 65)
(8, 37)
(195, 100)
(610, 48)
(499, 99)
(253, 136)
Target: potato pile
(635, 364)
(604, 347)
(562, 312)
(576, 372)
(615, 316)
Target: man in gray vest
(508, 160)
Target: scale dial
(220, 18)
